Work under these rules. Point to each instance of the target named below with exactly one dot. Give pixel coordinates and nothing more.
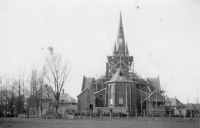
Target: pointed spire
(126, 48)
(120, 37)
(115, 50)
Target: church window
(111, 101)
(99, 101)
(120, 94)
(111, 95)
(120, 100)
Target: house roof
(192, 106)
(66, 98)
(154, 83)
(189, 106)
(86, 89)
(174, 102)
(48, 94)
(197, 106)
(72, 107)
(87, 82)
(120, 76)
(156, 97)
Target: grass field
(115, 123)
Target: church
(120, 89)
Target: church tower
(120, 57)
(120, 89)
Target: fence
(144, 116)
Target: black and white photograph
(99, 63)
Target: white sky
(162, 35)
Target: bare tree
(11, 97)
(41, 82)
(33, 101)
(57, 73)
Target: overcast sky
(162, 35)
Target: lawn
(115, 123)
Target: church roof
(87, 82)
(120, 76)
(154, 83)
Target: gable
(86, 93)
(190, 107)
(157, 97)
(66, 98)
(46, 92)
(120, 76)
(197, 106)
(179, 103)
(174, 102)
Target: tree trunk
(57, 106)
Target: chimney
(62, 91)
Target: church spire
(126, 50)
(120, 38)
(115, 50)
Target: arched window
(111, 95)
(99, 101)
(120, 94)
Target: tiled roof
(154, 83)
(87, 82)
(66, 98)
(48, 94)
(174, 102)
(197, 106)
(85, 90)
(156, 97)
(192, 106)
